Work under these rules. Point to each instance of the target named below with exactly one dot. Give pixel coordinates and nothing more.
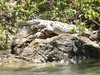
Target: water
(88, 67)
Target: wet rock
(10, 61)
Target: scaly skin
(54, 26)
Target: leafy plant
(91, 14)
(86, 12)
(81, 27)
(74, 30)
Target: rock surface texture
(34, 46)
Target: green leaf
(17, 13)
(86, 15)
(15, 4)
(93, 14)
(0, 25)
(89, 16)
(73, 30)
(90, 29)
(96, 15)
(99, 19)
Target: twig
(96, 22)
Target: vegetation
(83, 13)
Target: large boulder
(34, 46)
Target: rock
(11, 61)
(33, 46)
(45, 47)
(95, 35)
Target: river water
(88, 67)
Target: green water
(88, 67)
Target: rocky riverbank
(30, 46)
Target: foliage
(83, 13)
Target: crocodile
(54, 26)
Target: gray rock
(40, 47)
(95, 35)
(35, 46)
